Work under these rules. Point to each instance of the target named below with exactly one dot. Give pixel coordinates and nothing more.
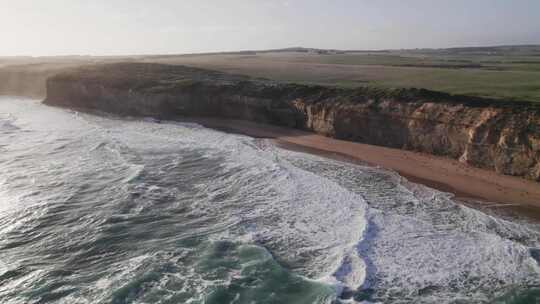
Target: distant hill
(524, 50)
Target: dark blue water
(107, 210)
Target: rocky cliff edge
(491, 134)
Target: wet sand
(470, 185)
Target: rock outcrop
(491, 134)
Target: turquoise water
(530, 295)
(107, 210)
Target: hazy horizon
(217, 52)
(120, 27)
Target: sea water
(98, 209)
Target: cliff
(490, 134)
(22, 82)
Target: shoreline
(474, 187)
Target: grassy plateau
(509, 73)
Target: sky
(122, 27)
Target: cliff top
(147, 74)
(161, 78)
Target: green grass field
(507, 73)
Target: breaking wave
(107, 210)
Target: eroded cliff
(496, 135)
(28, 79)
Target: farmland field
(509, 73)
(506, 73)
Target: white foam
(309, 212)
(309, 215)
(306, 220)
(311, 219)
(422, 246)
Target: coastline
(478, 188)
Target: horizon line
(229, 52)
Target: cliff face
(28, 79)
(495, 135)
(499, 139)
(22, 83)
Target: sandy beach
(470, 185)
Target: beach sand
(470, 185)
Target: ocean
(101, 209)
